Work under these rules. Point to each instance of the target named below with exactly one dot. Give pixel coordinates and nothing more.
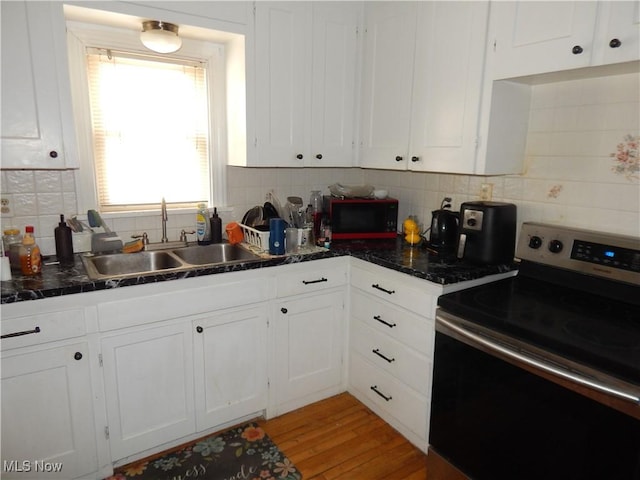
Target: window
(150, 127)
(214, 58)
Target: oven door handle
(533, 362)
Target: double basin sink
(105, 266)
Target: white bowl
(380, 194)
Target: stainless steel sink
(119, 264)
(101, 267)
(212, 254)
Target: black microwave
(361, 218)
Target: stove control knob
(535, 242)
(555, 246)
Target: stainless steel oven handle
(518, 357)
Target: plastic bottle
(216, 227)
(64, 242)
(203, 226)
(30, 261)
(315, 201)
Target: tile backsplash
(572, 176)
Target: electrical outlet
(486, 191)
(6, 205)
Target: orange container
(234, 233)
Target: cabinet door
(35, 87)
(47, 414)
(618, 35)
(446, 93)
(230, 353)
(308, 353)
(389, 46)
(540, 37)
(334, 73)
(283, 70)
(148, 377)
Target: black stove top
(577, 295)
(580, 326)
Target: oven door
(500, 413)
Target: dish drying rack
(257, 240)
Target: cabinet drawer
(42, 328)
(391, 396)
(384, 352)
(402, 325)
(389, 286)
(312, 278)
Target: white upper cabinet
(618, 31)
(447, 86)
(306, 66)
(389, 49)
(541, 37)
(422, 84)
(37, 125)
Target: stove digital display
(616, 257)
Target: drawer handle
(375, 389)
(379, 318)
(375, 285)
(19, 334)
(309, 282)
(377, 352)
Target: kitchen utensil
(275, 201)
(74, 225)
(269, 211)
(487, 232)
(95, 220)
(291, 240)
(351, 191)
(443, 232)
(253, 217)
(234, 233)
(277, 228)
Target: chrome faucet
(165, 217)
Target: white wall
(569, 176)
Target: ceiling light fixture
(161, 37)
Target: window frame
(81, 35)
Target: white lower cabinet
(308, 354)
(148, 377)
(48, 428)
(230, 354)
(307, 336)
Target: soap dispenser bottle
(64, 243)
(216, 227)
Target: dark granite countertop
(419, 262)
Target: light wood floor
(340, 438)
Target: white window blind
(150, 128)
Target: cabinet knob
(53, 154)
(299, 156)
(577, 50)
(284, 310)
(199, 329)
(319, 156)
(615, 43)
(78, 356)
(398, 158)
(415, 159)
